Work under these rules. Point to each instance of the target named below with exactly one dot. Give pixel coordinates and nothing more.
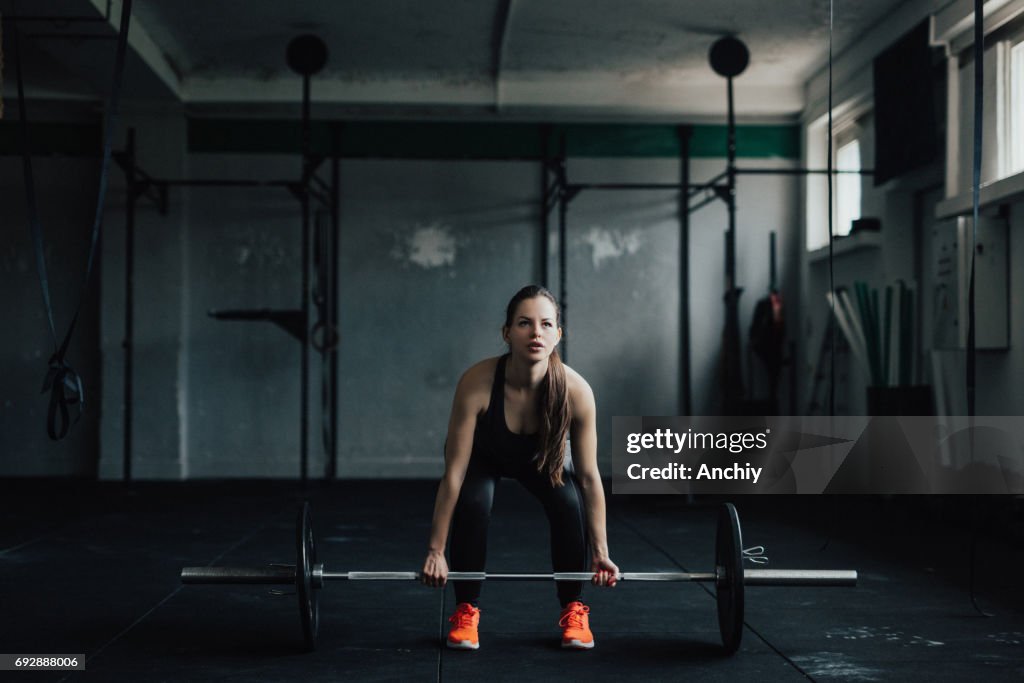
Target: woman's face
(534, 332)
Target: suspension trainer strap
(62, 381)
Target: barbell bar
(285, 575)
(308, 576)
(751, 577)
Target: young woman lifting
(510, 418)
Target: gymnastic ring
(324, 338)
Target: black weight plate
(309, 603)
(729, 583)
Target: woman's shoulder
(480, 374)
(577, 386)
(473, 392)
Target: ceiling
(567, 59)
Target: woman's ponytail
(554, 420)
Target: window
(847, 186)
(1003, 124)
(851, 141)
(1015, 118)
(1007, 67)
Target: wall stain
(611, 244)
(430, 245)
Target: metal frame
(558, 191)
(310, 186)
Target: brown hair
(554, 395)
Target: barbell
(730, 578)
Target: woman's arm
(584, 455)
(458, 448)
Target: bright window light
(847, 187)
(1016, 122)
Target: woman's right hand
(435, 570)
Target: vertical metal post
(792, 378)
(129, 301)
(685, 402)
(730, 255)
(304, 340)
(545, 205)
(333, 311)
(562, 192)
(563, 208)
(732, 376)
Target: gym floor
(93, 568)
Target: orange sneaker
(576, 627)
(463, 634)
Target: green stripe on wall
(751, 141)
(69, 139)
(475, 140)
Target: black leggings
(563, 506)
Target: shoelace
(574, 618)
(462, 618)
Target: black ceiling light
(306, 54)
(729, 56)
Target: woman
(510, 418)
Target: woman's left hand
(606, 573)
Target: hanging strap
(979, 103)
(62, 381)
(831, 329)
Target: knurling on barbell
(729, 577)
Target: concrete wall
(624, 275)
(431, 251)
(161, 288)
(242, 251)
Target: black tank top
(493, 438)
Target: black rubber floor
(93, 569)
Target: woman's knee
(565, 499)
(475, 502)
